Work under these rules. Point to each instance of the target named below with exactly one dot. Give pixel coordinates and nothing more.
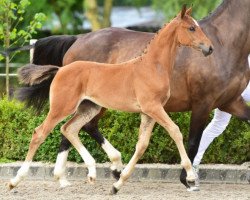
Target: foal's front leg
(158, 113)
(145, 131)
(200, 114)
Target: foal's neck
(162, 48)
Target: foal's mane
(152, 39)
(145, 50)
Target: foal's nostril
(210, 50)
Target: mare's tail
(47, 51)
(13, 49)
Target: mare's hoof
(116, 174)
(91, 180)
(114, 190)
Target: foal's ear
(183, 11)
(189, 11)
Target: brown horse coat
(198, 84)
(139, 85)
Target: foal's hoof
(193, 189)
(64, 183)
(116, 174)
(248, 177)
(10, 186)
(191, 183)
(114, 190)
(91, 180)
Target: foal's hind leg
(92, 129)
(71, 129)
(147, 124)
(61, 160)
(39, 135)
(114, 155)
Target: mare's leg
(214, 129)
(199, 117)
(39, 135)
(238, 108)
(70, 130)
(92, 129)
(146, 127)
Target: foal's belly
(116, 103)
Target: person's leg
(214, 129)
(246, 93)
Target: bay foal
(139, 85)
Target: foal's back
(110, 86)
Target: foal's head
(190, 34)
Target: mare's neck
(163, 47)
(229, 29)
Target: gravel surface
(46, 190)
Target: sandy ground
(46, 190)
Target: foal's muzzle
(206, 50)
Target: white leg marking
(118, 184)
(60, 165)
(21, 173)
(113, 154)
(71, 129)
(60, 168)
(89, 161)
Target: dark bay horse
(198, 84)
(140, 85)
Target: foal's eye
(192, 29)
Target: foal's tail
(32, 74)
(35, 77)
